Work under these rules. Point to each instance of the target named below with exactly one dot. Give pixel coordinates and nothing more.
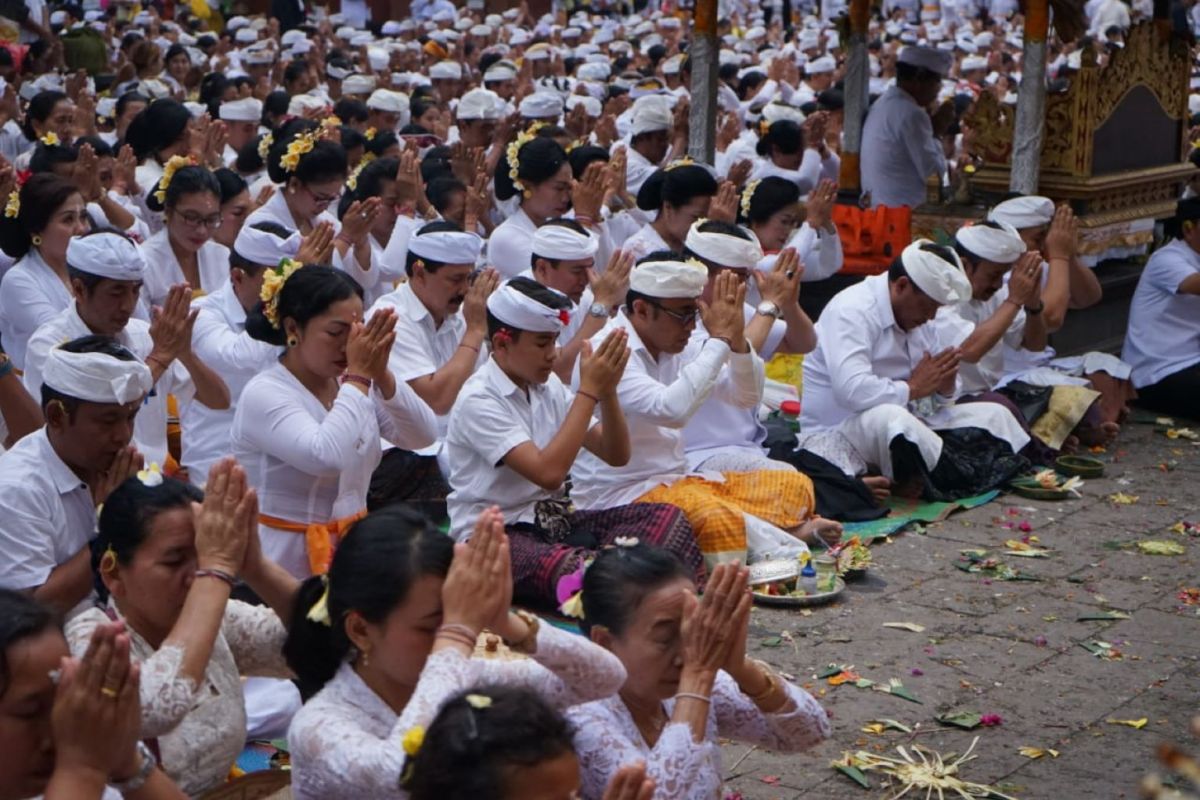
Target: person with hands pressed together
(516, 431)
(391, 636)
(70, 727)
(308, 429)
(53, 479)
(106, 271)
(168, 558)
(690, 683)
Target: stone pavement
(1011, 648)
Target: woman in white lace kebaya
(689, 679)
(391, 636)
(167, 568)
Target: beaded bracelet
(218, 574)
(359, 379)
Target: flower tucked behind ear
(479, 701)
(319, 613)
(50, 139)
(413, 739)
(151, 476)
(569, 592)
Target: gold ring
(108, 691)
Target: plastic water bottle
(808, 578)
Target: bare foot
(880, 486)
(1100, 435)
(819, 530)
(1070, 446)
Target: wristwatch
(1035, 311)
(149, 763)
(769, 309)
(598, 310)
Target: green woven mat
(904, 512)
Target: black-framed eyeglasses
(193, 220)
(682, 317)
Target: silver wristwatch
(598, 310)
(769, 309)
(149, 763)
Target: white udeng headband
(723, 249)
(669, 279)
(522, 312)
(446, 247)
(264, 247)
(943, 281)
(96, 377)
(999, 245)
(560, 243)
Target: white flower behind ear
(626, 541)
(151, 476)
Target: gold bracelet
(773, 682)
(527, 645)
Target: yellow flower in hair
(13, 207)
(573, 607)
(264, 146)
(50, 139)
(151, 476)
(352, 181)
(679, 162)
(413, 739)
(370, 134)
(273, 282)
(513, 152)
(332, 121)
(748, 197)
(479, 701)
(302, 144)
(172, 166)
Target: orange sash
(320, 538)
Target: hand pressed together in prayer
(932, 373)
(587, 194)
(125, 464)
(317, 247)
(712, 623)
(600, 371)
(171, 329)
(1025, 282)
(819, 205)
(226, 520)
(474, 308)
(781, 285)
(610, 287)
(724, 317)
(724, 205)
(368, 350)
(477, 592)
(1062, 240)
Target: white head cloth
(650, 113)
(108, 255)
(560, 243)
(669, 279)
(449, 70)
(446, 247)
(1024, 212)
(1001, 245)
(301, 104)
(387, 100)
(935, 276)
(541, 105)
(480, 104)
(929, 58)
(246, 109)
(723, 249)
(358, 84)
(264, 247)
(96, 377)
(521, 311)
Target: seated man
(1066, 284)
(1000, 315)
(441, 328)
(53, 479)
(106, 272)
(667, 379)
(881, 381)
(1163, 340)
(514, 435)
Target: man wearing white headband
(478, 113)
(514, 436)
(106, 271)
(219, 339)
(880, 372)
(564, 259)
(241, 118)
(443, 314)
(669, 376)
(653, 131)
(53, 479)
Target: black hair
(468, 752)
(212, 91)
(619, 579)
(580, 157)
(249, 160)
(749, 82)
(911, 72)
(350, 110)
(784, 136)
(230, 182)
(85, 344)
(369, 182)
(126, 516)
(40, 198)
(46, 157)
(538, 161)
(770, 195)
(676, 187)
(295, 69)
(373, 570)
(238, 260)
(306, 294)
(21, 617)
(1185, 211)
(420, 105)
(727, 72)
(436, 164)
(439, 190)
(192, 179)
(378, 144)
(40, 108)
(534, 291)
(411, 259)
(351, 138)
(124, 100)
(157, 127)
(414, 129)
(101, 148)
(831, 99)
(276, 105)
(325, 162)
(176, 50)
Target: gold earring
(36, 240)
(292, 341)
(527, 194)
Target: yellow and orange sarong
(320, 538)
(716, 510)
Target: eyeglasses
(323, 199)
(682, 317)
(193, 220)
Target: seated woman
(66, 742)
(772, 209)
(513, 436)
(167, 571)
(795, 153)
(680, 194)
(690, 682)
(308, 429)
(508, 744)
(160, 131)
(391, 635)
(377, 179)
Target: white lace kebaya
(346, 742)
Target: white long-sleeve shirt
(163, 270)
(30, 296)
(659, 397)
(813, 169)
(899, 151)
(346, 742)
(313, 464)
